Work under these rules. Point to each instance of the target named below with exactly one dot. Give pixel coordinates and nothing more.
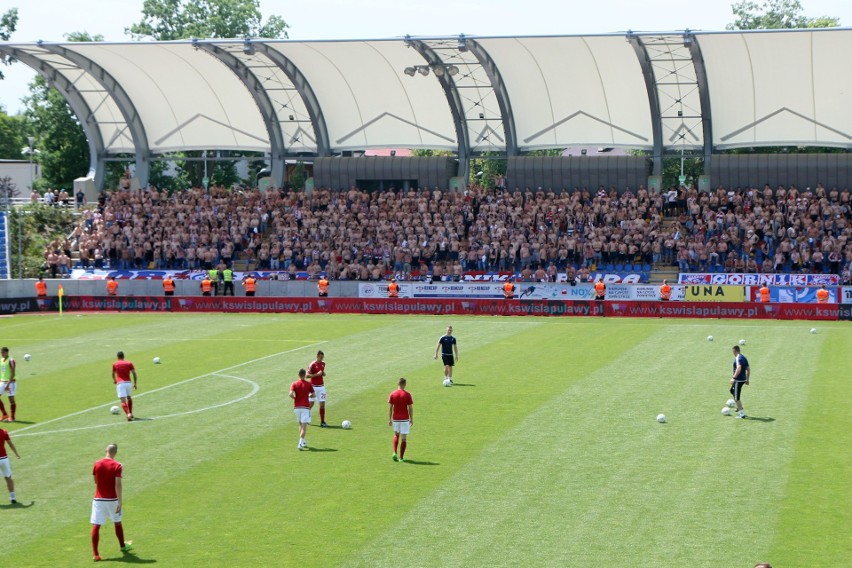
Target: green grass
(546, 453)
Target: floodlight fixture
(462, 43)
(423, 69)
(248, 48)
(410, 71)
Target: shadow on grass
(18, 505)
(21, 422)
(138, 419)
(464, 385)
(415, 462)
(130, 559)
(327, 427)
(310, 449)
(760, 418)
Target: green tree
(8, 24)
(12, 136)
(776, 15)
(64, 153)
(166, 20)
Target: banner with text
(714, 293)
(771, 279)
(435, 306)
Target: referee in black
(740, 377)
(449, 353)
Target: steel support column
(653, 100)
(303, 87)
(704, 97)
(500, 91)
(78, 104)
(264, 104)
(453, 99)
(123, 102)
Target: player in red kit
(316, 372)
(5, 467)
(300, 392)
(122, 371)
(401, 417)
(107, 502)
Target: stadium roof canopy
(661, 92)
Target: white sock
(12, 495)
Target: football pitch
(545, 452)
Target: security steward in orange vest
(822, 295)
(41, 287)
(508, 290)
(206, 286)
(600, 289)
(112, 286)
(665, 291)
(168, 286)
(249, 282)
(393, 289)
(764, 294)
(322, 286)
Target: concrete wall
(801, 170)
(556, 172)
(343, 173)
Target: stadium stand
(358, 235)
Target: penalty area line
(212, 373)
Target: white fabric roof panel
(187, 100)
(780, 88)
(367, 100)
(569, 91)
(764, 89)
(107, 117)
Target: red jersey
(317, 367)
(303, 390)
(122, 369)
(4, 435)
(401, 400)
(106, 471)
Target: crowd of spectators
(360, 235)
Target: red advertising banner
(439, 306)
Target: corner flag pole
(61, 294)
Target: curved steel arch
(97, 148)
(453, 99)
(303, 87)
(263, 102)
(653, 100)
(703, 97)
(123, 102)
(500, 91)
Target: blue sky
(360, 19)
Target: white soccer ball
(709, 338)
(742, 341)
(346, 425)
(448, 383)
(731, 403)
(661, 418)
(114, 410)
(726, 411)
(27, 357)
(813, 330)
(156, 360)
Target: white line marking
(219, 372)
(254, 390)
